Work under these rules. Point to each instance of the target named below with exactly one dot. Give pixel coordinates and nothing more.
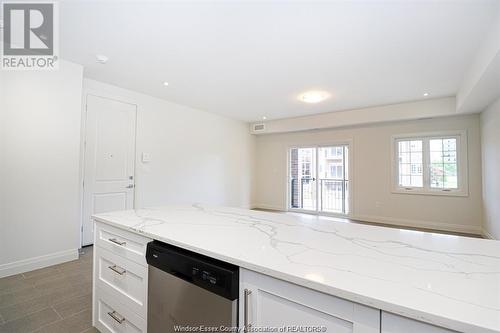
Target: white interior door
(109, 160)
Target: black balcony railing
(333, 194)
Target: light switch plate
(146, 157)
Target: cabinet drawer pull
(246, 324)
(117, 269)
(116, 241)
(116, 316)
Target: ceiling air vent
(259, 127)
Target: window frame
(462, 164)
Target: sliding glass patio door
(303, 170)
(319, 179)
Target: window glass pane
(436, 157)
(404, 158)
(410, 163)
(444, 163)
(333, 187)
(436, 145)
(404, 146)
(449, 157)
(302, 174)
(450, 144)
(405, 180)
(416, 158)
(346, 161)
(416, 145)
(417, 181)
(450, 176)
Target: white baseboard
(30, 264)
(468, 229)
(268, 207)
(487, 234)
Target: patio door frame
(317, 211)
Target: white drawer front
(121, 242)
(123, 279)
(113, 317)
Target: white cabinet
(392, 323)
(125, 280)
(271, 304)
(121, 242)
(114, 317)
(120, 284)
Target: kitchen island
(443, 282)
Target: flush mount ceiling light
(165, 83)
(426, 94)
(313, 97)
(101, 59)
(264, 117)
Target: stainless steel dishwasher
(188, 291)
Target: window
(431, 164)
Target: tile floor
(56, 299)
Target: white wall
(39, 167)
(479, 86)
(373, 199)
(196, 156)
(490, 139)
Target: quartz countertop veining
(448, 281)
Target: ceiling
(247, 60)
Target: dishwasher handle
(246, 295)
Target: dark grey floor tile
(45, 276)
(41, 271)
(75, 324)
(13, 283)
(18, 296)
(91, 330)
(59, 295)
(74, 305)
(31, 322)
(23, 309)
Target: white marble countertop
(449, 281)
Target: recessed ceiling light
(101, 59)
(165, 83)
(314, 96)
(264, 117)
(426, 94)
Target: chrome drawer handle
(116, 241)
(246, 324)
(117, 269)
(116, 316)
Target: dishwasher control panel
(204, 275)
